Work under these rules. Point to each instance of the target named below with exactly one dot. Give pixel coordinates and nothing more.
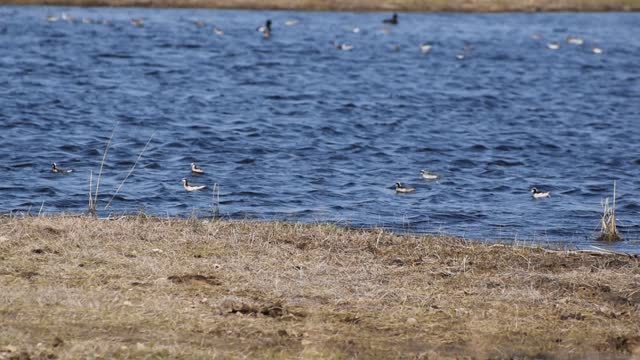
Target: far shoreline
(436, 6)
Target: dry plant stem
(130, 171)
(104, 158)
(608, 226)
(92, 208)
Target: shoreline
(469, 6)
(77, 287)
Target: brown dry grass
(364, 5)
(76, 287)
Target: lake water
(294, 129)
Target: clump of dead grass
(608, 226)
(151, 287)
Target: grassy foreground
(364, 5)
(76, 287)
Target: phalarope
(404, 188)
(218, 31)
(425, 48)
(57, 170)
(195, 169)
(427, 175)
(596, 50)
(575, 40)
(553, 46)
(342, 46)
(539, 194)
(190, 187)
(137, 22)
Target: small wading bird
(392, 21)
(195, 169)
(291, 22)
(57, 170)
(137, 22)
(596, 50)
(404, 188)
(190, 187)
(537, 194)
(342, 46)
(265, 29)
(427, 175)
(574, 40)
(218, 31)
(553, 46)
(425, 48)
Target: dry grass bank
(75, 288)
(364, 5)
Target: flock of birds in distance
(400, 188)
(266, 32)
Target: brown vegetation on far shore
(363, 5)
(80, 287)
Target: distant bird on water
(342, 46)
(265, 29)
(195, 169)
(392, 21)
(537, 194)
(218, 31)
(428, 175)
(404, 188)
(553, 46)
(57, 170)
(137, 22)
(574, 40)
(190, 187)
(425, 48)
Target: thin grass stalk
(41, 208)
(104, 158)
(215, 200)
(130, 171)
(92, 208)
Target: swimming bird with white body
(190, 187)
(537, 194)
(404, 188)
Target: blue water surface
(292, 128)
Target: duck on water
(392, 21)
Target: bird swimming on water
(553, 46)
(427, 175)
(392, 21)
(190, 187)
(425, 48)
(537, 194)
(57, 170)
(195, 169)
(342, 46)
(265, 29)
(404, 188)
